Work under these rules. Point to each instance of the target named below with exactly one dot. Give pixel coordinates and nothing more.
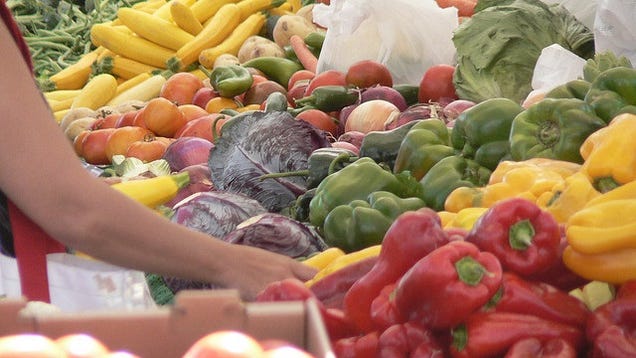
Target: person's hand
(251, 269)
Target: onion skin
(346, 145)
(455, 108)
(372, 115)
(353, 137)
(187, 151)
(416, 112)
(386, 93)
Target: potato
(307, 12)
(257, 46)
(225, 59)
(288, 25)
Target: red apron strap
(31, 245)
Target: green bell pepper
(553, 128)
(613, 92)
(425, 144)
(482, 131)
(355, 182)
(363, 223)
(571, 89)
(383, 146)
(230, 80)
(451, 173)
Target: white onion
(371, 116)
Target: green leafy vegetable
(498, 47)
(603, 61)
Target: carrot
(303, 53)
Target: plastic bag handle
(32, 245)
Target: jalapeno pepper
(329, 98)
(278, 69)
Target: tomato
(297, 91)
(81, 346)
(326, 78)
(217, 104)
(465, 8)
(320, 120)
(94, 146)
(202, 127)
(180, 87)
(121, 138)
(30, 345)
(368, 73)
(437, 85)
(298, 76)
(191, 111)
(203, 96)
(225, 344)
(108, 121)
(77, 142)
(162, 117)
(148, 149)
(126, 119)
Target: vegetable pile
(456, 217)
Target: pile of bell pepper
(498, 289)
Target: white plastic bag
(583, 10)
(556, 66)
(408, 36)
(80, 284)
(615, 28)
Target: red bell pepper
(620, 312)
(524, 237)
(614, 342)
(447, 285)
(412, 236)
(336, 323)
(365, 346)
(331, 289)
(535, 348)
(383, 310)
(559, 275)
(540, 299)
(627, 289)
(492, 334)
(403, 340)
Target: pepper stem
(605, 184)
(460, 337)
(520, 235)
(469, 270)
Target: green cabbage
(498, 47)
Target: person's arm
(41, 174)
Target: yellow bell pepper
(606, 226)
(320, 260)
(616, 267)
(625, 191)
(466, 218)
(603, 151)
(564, 168)
(568, 197)
(343, 261)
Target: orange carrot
(303, 53)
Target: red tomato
(162, 117)
(94, 146)
(203, 95)
(108, 121)
(181, 87)
(121, 138)
(81, 346)
(320, 120)
(299, 75)
(202, 127)
(225, 344)
(326, 78)
(30, 345)
(148, 149)
(367, 73)
(191, 111)
(126, 119)
(437, 85)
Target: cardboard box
(167, 332)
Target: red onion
(415, 112)
(186, 151)
(453, 109)
(346, 145)
(353, 137)
(200, 180)
(386, 93)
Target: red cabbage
(215, 213)
(278, 233)
(258, 143)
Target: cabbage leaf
(498, 47)
(259, 143)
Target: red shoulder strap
(31, 245)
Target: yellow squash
(155, 191)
